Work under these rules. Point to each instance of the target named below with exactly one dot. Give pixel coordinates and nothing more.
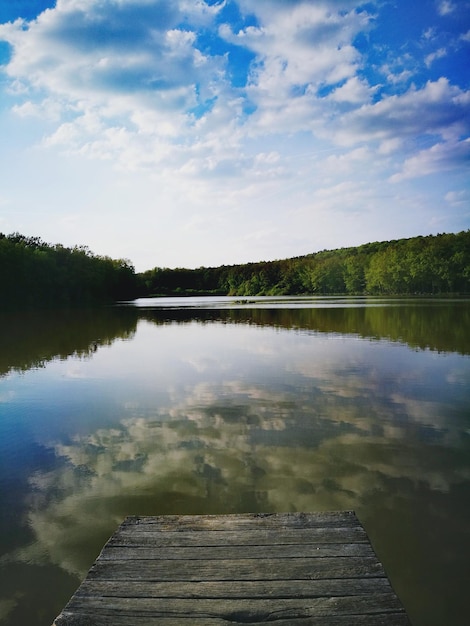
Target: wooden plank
(225, 552)
(93, 619)
(206, 570)
(127, 536)
(242, 611)
(236, 589)
(252, 569)
(221, 523)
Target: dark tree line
(435, 264)
(34, 273)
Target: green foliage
(33, 273)
(420, 265)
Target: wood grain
(292, 568)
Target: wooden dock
(294, 568)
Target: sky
(189, 133)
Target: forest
(34, 273)
(434, 264)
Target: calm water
(219, 406)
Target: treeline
(435, 264)
(34, 273)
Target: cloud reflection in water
(217, 416)
(329, 442)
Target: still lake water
(216, 405)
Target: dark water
(218, 406)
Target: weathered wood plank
(251, 569)
(92, 619)
(287, 551)
(244, 610)
(235, 589)
(142, 536)
(221, 523)
(218, 570)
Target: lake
(225, 405)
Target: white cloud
(439, 158)
(355, 91)
(47, 109)
(140, 68)
(445, 7)
(429, 33)
(299, 47)
(145, 87)
(439, 54)
(439, 108)
(458, 198)
(144, 74)
(388, 146)
(131, 94)
(345, 163)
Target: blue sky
(191, 132)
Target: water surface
(225, 405)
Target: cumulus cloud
(438, 111)
(198, 102)
(299, 48)
(142, 71)
(439, 108)
(133, 67)
(355, 91)
(439, 158)
(134, 81)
